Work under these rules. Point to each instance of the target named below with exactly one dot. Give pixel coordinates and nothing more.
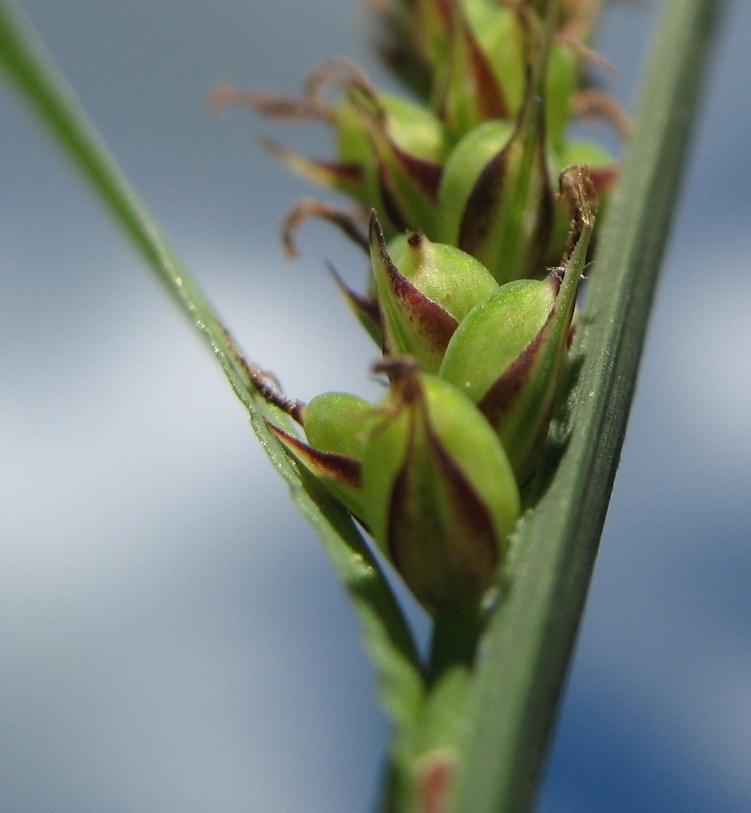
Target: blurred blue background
(173, 638)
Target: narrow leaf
(532, 634)
(387, 635)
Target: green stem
(424, 756)
(452, 659)
(455, 637)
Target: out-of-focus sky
(173, 638)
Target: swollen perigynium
(477, 214)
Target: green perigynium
(425, 473)
(440, 493)
(337, 426)
(423, 291)
(390, 150)
(509, 352)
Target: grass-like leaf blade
(531, 637)
(387, 635)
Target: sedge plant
(481, 478)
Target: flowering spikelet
(473, 195)
(476, 164)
